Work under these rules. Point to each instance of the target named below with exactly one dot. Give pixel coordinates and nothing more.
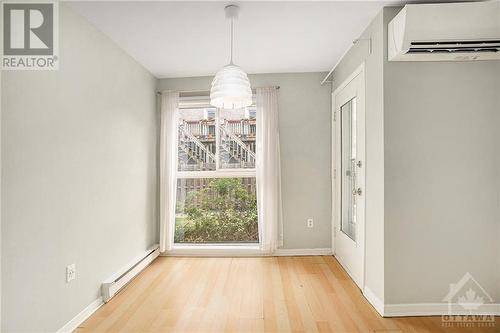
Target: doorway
(349, 175)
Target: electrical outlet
(70, 272)
(310, 223)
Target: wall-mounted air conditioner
(445, 32)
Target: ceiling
(181, 39)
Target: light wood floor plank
(264, 294)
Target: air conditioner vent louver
(462, 42)
(455, 47)
(445, 32)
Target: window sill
(213, 250)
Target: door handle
(357, 191)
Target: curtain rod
(207, 91)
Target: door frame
(335, 167)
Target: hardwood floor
(266, 294)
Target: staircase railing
(193, 147)
(235, 147)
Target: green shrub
(224, 211)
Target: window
(349, 171)
(216, 189)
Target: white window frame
(212, 249)
(218, 172)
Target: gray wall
(1, 93)
(433, 171)
(442, 170)
(78, 176)
(304, 111)
(374, 215)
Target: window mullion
(240, 173)
(217, 139)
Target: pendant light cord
(231, 62)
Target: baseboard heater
(114, 284)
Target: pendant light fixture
(230, 87)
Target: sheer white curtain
(168, 166)
(268, 171)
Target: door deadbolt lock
(359, 164)
(357, 191)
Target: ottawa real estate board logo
(30, 33)
(469, 305)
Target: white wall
(78, 176)
(304, 111)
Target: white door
(349, 175)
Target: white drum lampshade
(231, 88)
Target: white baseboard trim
(303, 252)
(151, 254)
(239, 251)
(114, 284)
(437, 309)
(80, 318)
(373, 299)
(426, 309)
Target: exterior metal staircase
(235, 147)
(194, 148)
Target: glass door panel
(348, 168)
